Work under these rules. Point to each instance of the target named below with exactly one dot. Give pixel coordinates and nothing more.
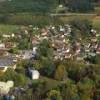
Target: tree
(80, 5)
(38, 87)
(69, 90)
(54, 95)
(86, 87)
(48, 67)
(44, 49)
(83, 25)
(19, 79)
(13, 50)
(60, 73)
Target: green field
(8, 28)
(74, 17)
(12, 23)
(96, 22)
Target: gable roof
(6, 61)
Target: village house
(2, 45)
(26, 54)
(98, 49)
(34, 74)
(68, 55)
(59, 37)
(44, 32)
(5, 87)
(10, 45)
(9, 35)
(3, 52)
(34, 51)
(7, 62)
(35, 41)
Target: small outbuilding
(34, 74)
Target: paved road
(73, 14)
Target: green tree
(54, 95)
(13, 50)
(19, 79)
(69, 90)
(83, 25)
(80, 5)
(44, 49)
(48, 67)
(86, 87)
(60, 73)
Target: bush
(60, 73)
(19, 79)
(80, 5)
(27, 19)
(84, 26)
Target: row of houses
(63, 46)
(8, 60)
(59, 38)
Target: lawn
(74, 17)
(50, 83)
(96, 22)
(9, 28)
(25, 18)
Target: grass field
(13, 22)
(93, 18)
(50, 82)
(96, 22)
(72, 17)
(8, 28)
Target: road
(73, 14)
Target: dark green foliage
(69, 90)
(41, 6)
(45, 50)
(60, 73)
(80, 5)
(47, 68)
(54, 95)
(84, 26)
(45, 55)
(97, 59)
(19, 79)
(13, 50)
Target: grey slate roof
(6, 61)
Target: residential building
(6, 86)
(7, 62)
